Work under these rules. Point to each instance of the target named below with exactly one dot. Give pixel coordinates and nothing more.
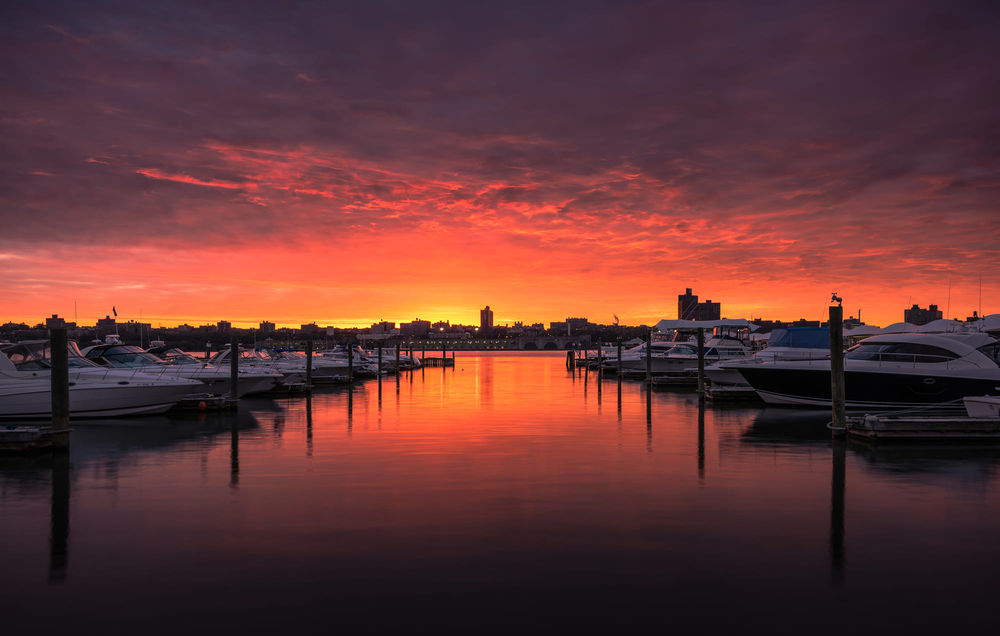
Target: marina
(505, 493)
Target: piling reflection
(838, 483)
(649, 419)
(309, 425)
(59, 523)
(234, 455)
(701, 438)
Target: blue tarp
(800, 337)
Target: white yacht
(899, 370)
(214, 379)
(26, 377)
(793, 343)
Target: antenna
(947, 310)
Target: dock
(923, 427)
(438, 362)
(21, 438)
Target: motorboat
(793, 343)
(293, 372)
(94, 391)
(889, 371)
(215, 379)
(680, 357)
(982, 406)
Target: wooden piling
(701, 361)
(350, 362)
(234, 368)
(649, 359)
(309, 364)
(619, 357)
(837, 387)
(380, 360)
(59, 387)
(397, 360)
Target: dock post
(350, 361)
(59, 386)
(397, 360)
(619, 356)
(444, 354)
(380, 360)
(701, 361)
(837, 387)
(649, 358)
(234, 367)
(309, 364)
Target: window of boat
(991, 351)
(130, 357)
(683, 349)
(900, 352)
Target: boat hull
(864, 389)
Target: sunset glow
(344, 163)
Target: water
(505, 495)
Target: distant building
(688, 308)
(223, 326)
(55, 322)
(311, 330)
(575, 324)
(558, 327)
(417, 328)
(106, 325)
(266, 327)
(382, 327)
(917, 316)
(486, 318)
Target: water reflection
(494, 488)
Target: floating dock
(25, 438)
(923, 427)
(438, 362)
(727, 393)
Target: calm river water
(503, 496)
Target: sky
(349, 162)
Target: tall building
(486, 318)
(917, 316)
(55, 322)
(266, 327)
(688, 308)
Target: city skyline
(342, 163)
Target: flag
(114, 311)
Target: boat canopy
(665, 325)
(801, 338)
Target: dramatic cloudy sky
(346, 162)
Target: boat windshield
(683, 349)
(900, 352)
(124, 356)
(36, 356)
(176, 356)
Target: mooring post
(837, 387)
(380, 360)
(701, 361)
(59, 386)
(444, 354)
(309, 364)
(397, 360)
(350, 361)
(649, 358)
(619, 356)
(234, 367)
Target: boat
(679, 357)
(889, 371)
(792, 343)
(982, 406)
(94, 391)
(214, 379)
